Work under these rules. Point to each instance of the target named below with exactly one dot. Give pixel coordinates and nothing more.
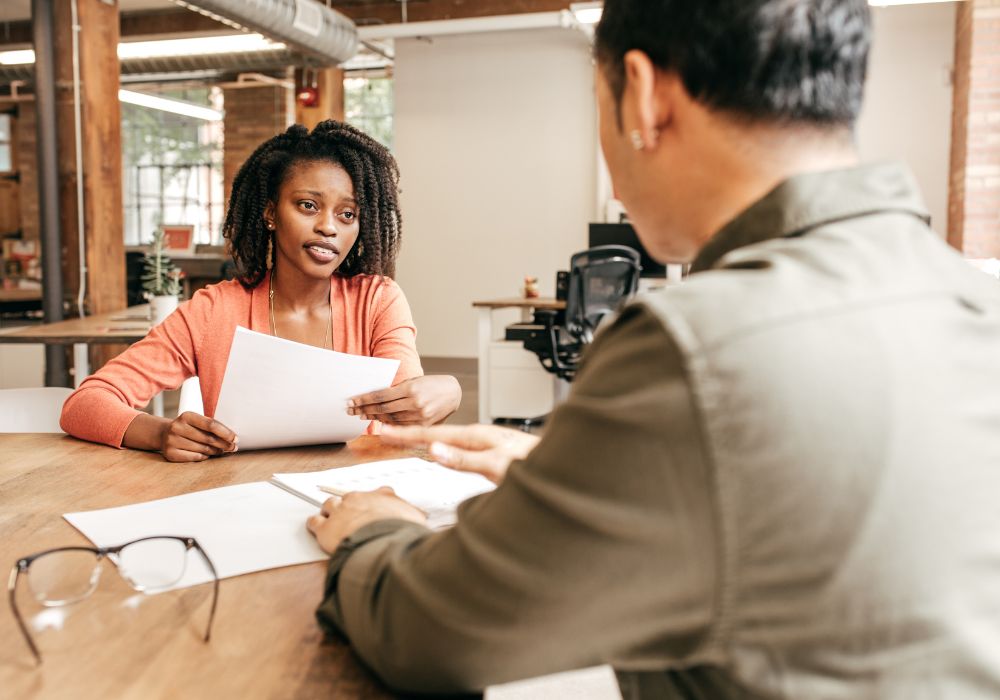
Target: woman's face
(315, 219)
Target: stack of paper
(434, 489)
(254, 527)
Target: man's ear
(642, 113)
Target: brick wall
(974, 198)
(252, 115)
(27, 160)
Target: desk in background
(119, 643)
(489, 333)
(20, 300)
(117, 327)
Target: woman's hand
(193, 438)
(482, 449)
(419, 401)
(340, 517)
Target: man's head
(677, 79)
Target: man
(778, 479)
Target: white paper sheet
(596, 683)
(244, 528)
(278, 393)
(434, 489)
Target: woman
(314, 228)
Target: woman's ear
(269, 216)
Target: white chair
(190, 398)
(32, 410)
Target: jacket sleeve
(107, 402)
(597, 548)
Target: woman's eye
(349, 215)
(308, 205)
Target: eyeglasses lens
(63, 577)
(153, 564)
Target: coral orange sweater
(370, 317)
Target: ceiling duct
(307, 26)
(240, 62)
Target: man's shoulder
(838, 269)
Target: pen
(332, 491)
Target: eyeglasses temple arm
(11, 589)
(215, 589)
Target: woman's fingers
(378, 397)
(193, 434)
(210, 425)
(207, 430)
(387, 408)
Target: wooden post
(974, 193)
(330, 83)
(101, 155)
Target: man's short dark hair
(791, 61)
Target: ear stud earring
(638, 143)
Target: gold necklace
(327, 342)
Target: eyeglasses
(67, 575)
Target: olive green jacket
(779, 479)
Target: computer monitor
(624, 234)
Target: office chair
(601, 279)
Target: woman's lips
(321, 253)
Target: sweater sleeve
(394, 335)
(109, 400)
(598, 548)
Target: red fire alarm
(308, 96)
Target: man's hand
(341, 517)
(194, 438)
(483, 449)
(419, 401)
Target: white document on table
(262, 525)
(434, 489)
(596, 683)
(244, 528)
(278, 393)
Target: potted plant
(161, 280)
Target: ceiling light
(197, 46)
(166, 105)
(16, 58)
(587, 12)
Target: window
(172, 166)
(368, 105)
(6, 144)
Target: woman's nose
(327, 225)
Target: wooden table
(487, 333)
(121, 644)
(117, 327)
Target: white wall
(907, 113)
(496, 141)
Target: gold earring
(270, 252)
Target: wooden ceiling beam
(186, 22)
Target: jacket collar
(805, 202)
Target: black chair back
(601, 279)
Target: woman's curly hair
(372, 169)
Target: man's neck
(746, 163)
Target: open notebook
(259, 526)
